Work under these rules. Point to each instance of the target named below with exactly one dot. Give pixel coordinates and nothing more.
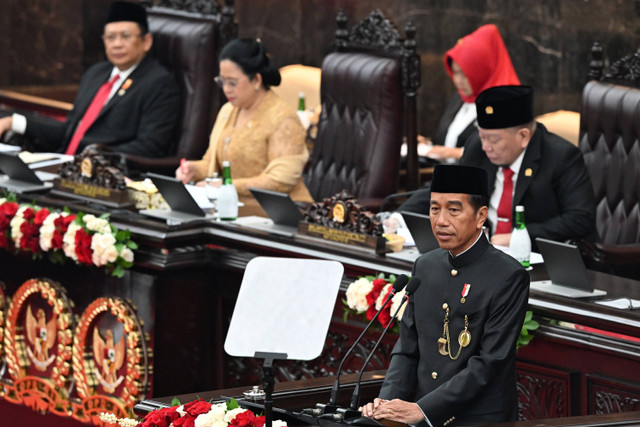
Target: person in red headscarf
(477, 62)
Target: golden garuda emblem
(42, 336)
(109, 358)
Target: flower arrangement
(367, 294)
(197, 413)
(86, 239)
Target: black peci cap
(460, 179)
(127, 11)
(501, 107)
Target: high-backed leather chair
(610, 142)
(368, 106)
(187, 38)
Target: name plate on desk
(82, 190)
(92, 177)
(340, 236)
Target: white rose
(127, 254)
(357, 294)
(69, 241)
(204, 420)
(230, 415)
(103, 249)
(104, 256)
(98, 225)
(46, 231)
(278, 423)
(16, 223)
(181, 411)
(217, 411)
(383, 295)
(395, 301)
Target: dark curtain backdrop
(51, 42)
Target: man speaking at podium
(129, 103)
(454, 363)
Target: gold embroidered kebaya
(267, 152)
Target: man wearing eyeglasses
(129, 103)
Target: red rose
(4, 242)
(83, 246)
(28, 214)
(56, 240)
(62, 222)
(259, 421)
(373, 295)
(41, 215)
(186, 421)
(30, 240)
(243, 419)
(9, 208)
(371, 312)
(385, 316)
(197, 407)
(160, 418)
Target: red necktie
(504, 208)
(91, 114)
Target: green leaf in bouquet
(232, 404)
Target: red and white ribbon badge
(465, 290)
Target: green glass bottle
(226, 172)
(520, 243)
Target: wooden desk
(294, 396)
(186, 280)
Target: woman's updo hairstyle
(251, 56)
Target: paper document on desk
(199, 194)
(621, 303)
(41, 160)
(535, 258)
(7, 148)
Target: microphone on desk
(355, 399)
(400, 283)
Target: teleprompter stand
(283, 312)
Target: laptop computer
(283, 213)
(19, 177)
(183, 207)
(420, 228)
(568, 274)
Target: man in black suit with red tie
(540, 170)
(129, 103)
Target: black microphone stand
(355, 399)
(352, 415)
(332, 406)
